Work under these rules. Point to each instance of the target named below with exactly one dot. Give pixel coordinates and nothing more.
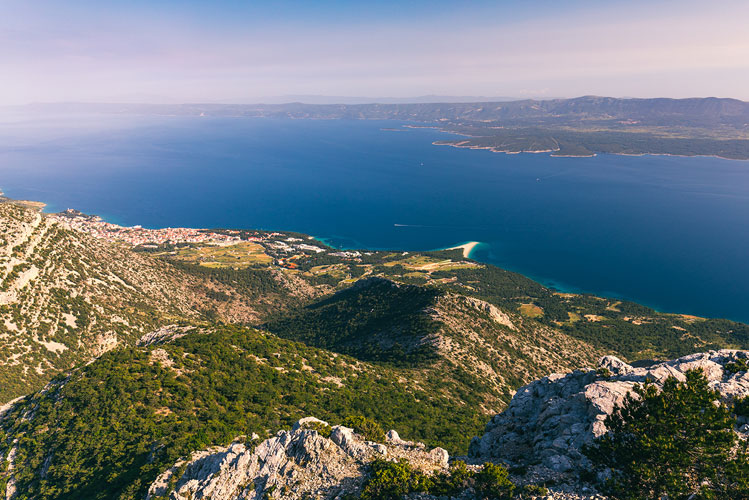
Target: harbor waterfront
(668, 232)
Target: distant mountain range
(424, 99)
(582, 126)
(694, 112)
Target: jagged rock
(306, 420)
(440, 456)
(614, 365)
(494, 312)
(549, 420)
(393, 437)
(292, 465)
(165, 334)
(348, 442)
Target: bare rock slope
(67, 297)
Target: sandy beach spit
(467, 248)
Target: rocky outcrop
(295, 464)
(168, 333)
(549, 420)
(493, 311)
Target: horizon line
(367, 101)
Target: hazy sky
(242, 51)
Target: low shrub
(740, 365)
(457, 479)
(533, 490)
(677, 442)
(393, 480)
(322, 428)
(368, 428)
(741, 407)
(493, 481)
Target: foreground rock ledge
(295, 464)
(549, 420)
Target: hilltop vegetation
(377, 320)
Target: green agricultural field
(531, 311)
(239, 255)
(429, 263)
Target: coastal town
(242, 248)
(138, 235)
(282, 248)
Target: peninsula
(582, 126)
(467, 248)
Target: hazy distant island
(582, 126)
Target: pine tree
(673, 443)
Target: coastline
(494, 149)
(467, 248)
(487, 253)
(36, 205)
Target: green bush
(740, 365)
(368, 428)
(603, 372)
(493, 481)
(672, 443)
(393, 480)
(533, 490)
(457, 479)
(741, 407)
(322, 428)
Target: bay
(668, 232)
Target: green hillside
(109, 428)
(429, 343)
(376, 320)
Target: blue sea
(669, 232)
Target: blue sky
(245, 51)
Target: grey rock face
(165, 334)
(295, 464)
(549, 420)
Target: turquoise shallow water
(669, 232)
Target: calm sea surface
(669, 232)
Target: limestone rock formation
(165, 334)
(301, 463)
(549, 420)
